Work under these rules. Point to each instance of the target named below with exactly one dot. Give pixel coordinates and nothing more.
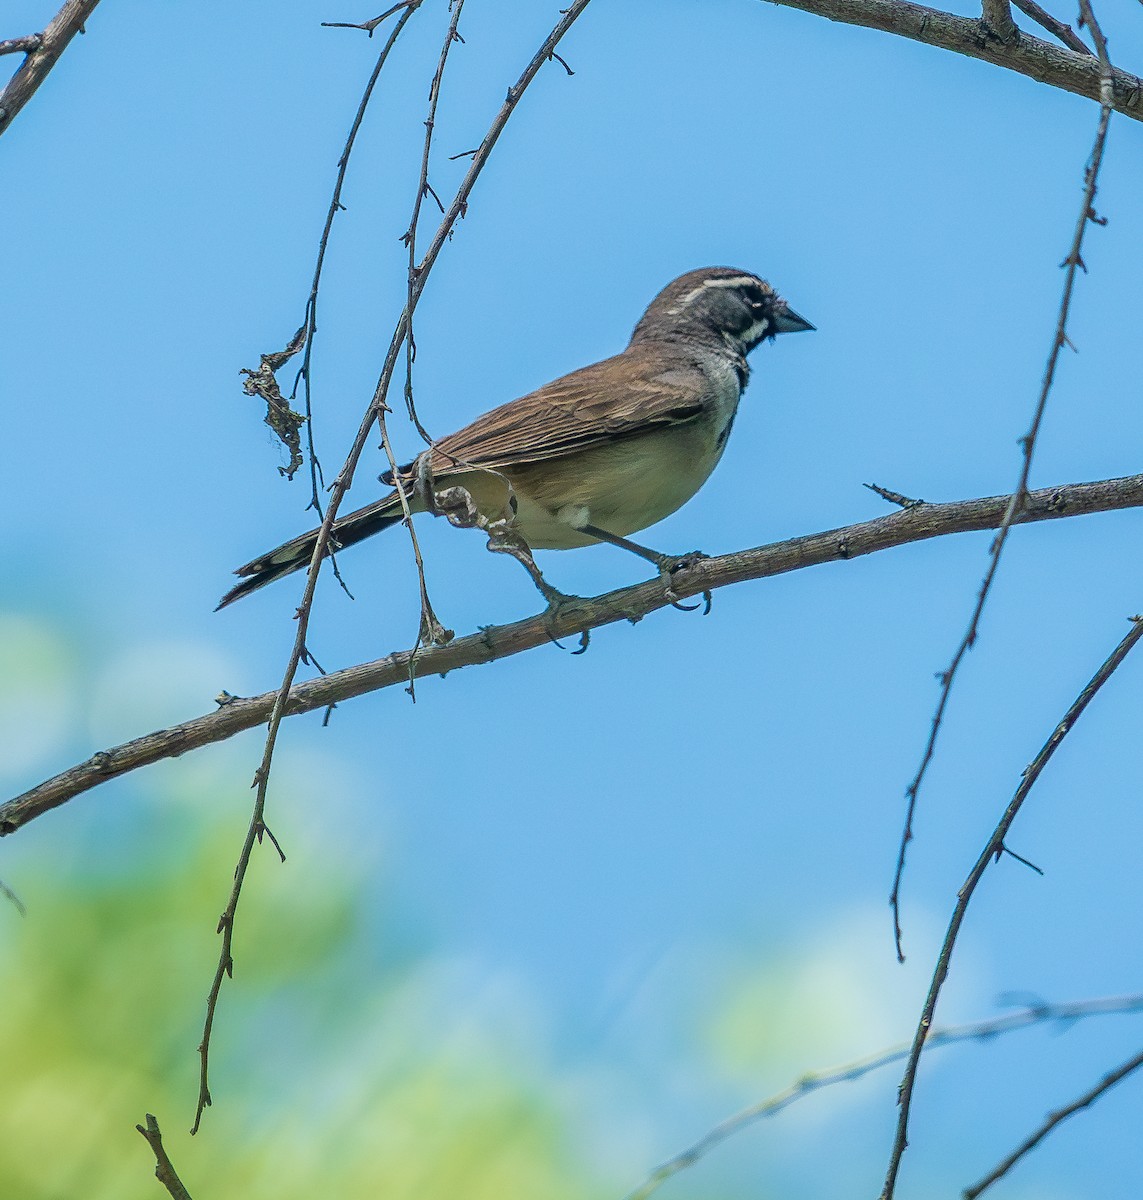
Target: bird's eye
(755, 298)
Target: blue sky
(632, 834)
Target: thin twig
(13, 899)
(335, 206)
(1052, 1120)
(409, 237)
(258, 829)
(815, 1081)
(370, 26)
(1106, 96)
(1028, 446)
(164, 1170)
(993, 850)
(1043, 61)
(43, 51)
(898, 528)
(374, 413)
(1058, 29)
(430, 631)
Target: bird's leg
(668, 564)
(457, 504)
(503, 539)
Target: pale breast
(631, 483)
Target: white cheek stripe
(691, 296)
(757, 331)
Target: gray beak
(788, 321)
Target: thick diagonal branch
(914, 524)
(42, 57)
(1028, 55)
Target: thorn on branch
(1003, 849)
(369, 26)
(307, 658)
(561, 62)
(265, 830)
(429, 191)
(893, 497)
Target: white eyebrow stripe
(735, 281)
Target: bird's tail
(295, 555)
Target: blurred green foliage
(329, 1079)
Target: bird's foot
(557, 602)
(503, 539)
(670, 565)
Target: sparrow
(595, 455)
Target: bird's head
(720, 304)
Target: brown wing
(620, 397)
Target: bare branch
(996, 17)
(374, 413)
(1053, 1119)
(409, 237)
(263, 382)
(236, 714)
(22, 45)
(430, 631)
(164, 1169)
(43, 51)
(371, 25)
(335, 206)
(1058, 29)
(1072, 262)
(993, 850)
(815, 1081)
(258, 829)
(1039, 60)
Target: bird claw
(669, 565)
(556, 601)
